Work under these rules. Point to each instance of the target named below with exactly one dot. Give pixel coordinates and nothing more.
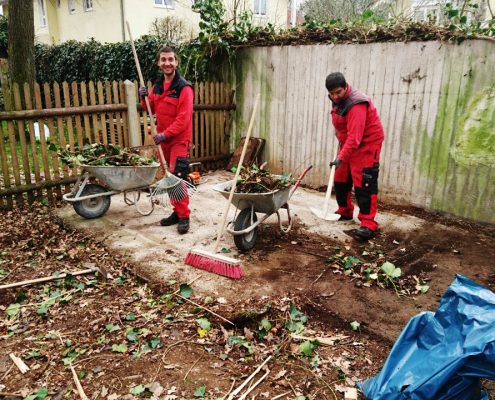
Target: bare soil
(166, 354)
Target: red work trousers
(362, 172)
(172, 151)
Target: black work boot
(364, 233)
(172, 219)
(345, 218)
(183, 226)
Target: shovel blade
(329, 216)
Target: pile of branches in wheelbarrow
(97, 154)
(258, 180)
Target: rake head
(176, 188)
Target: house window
(424, 10)
(260, 7)
(42, 13)
(164, 3)
(88, 5)
(72, 6)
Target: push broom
(212, 261)
(176, 188)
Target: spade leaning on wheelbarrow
(244, 227)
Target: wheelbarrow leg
(289, 225)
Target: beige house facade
(57, 21)
(421, 10)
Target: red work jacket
(356, 123)
(172, 103)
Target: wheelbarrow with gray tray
(244, 227)
(92, 200)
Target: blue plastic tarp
(442, 355)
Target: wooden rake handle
(237, 172)
(147, 101)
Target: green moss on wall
(475, 131)
(460, 157)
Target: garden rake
(176, 188)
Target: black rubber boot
(345, 218)
(183, 226)
(172, 219)
(364, 233)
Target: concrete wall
(436, 101)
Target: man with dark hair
(172, 102)
(360, 135)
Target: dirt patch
(317, 268)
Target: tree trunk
(21, 41)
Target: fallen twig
(236, 391)
(8, 394)
(19, 363)
(79, 387)
(281, 395)
(251, 388)
(190, 369)
(204, 308)
(327, 341)
(319, 276)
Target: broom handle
(237, 171)
(148, 106)
(330, 183)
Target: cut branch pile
(98, 154)
(257, 180)
(342, 33)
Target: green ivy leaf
(389, 269)
(308, 347)
(112, 327)
(39, 395)
(200, 392)
(265, 324)
(185, 290)
(119, 348)
(204, 323)
(296, 315)
(355, 325)
(137, 389)
(13, 309)
(130, 317)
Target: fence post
(132, 114)
(5, 83)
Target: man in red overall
(172, 102)
(360, 135)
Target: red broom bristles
(225, 266)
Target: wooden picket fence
(96, 112)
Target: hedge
(91, 60)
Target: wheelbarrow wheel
(94, 207)
(247, 241)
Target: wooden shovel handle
(237, 172)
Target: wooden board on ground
(253, 152)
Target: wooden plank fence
(67, 114)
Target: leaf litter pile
(125, 339)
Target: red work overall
(172, 103)
(360, 135)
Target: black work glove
(335, 162)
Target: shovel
(324, 214)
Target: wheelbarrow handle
(298, 181)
